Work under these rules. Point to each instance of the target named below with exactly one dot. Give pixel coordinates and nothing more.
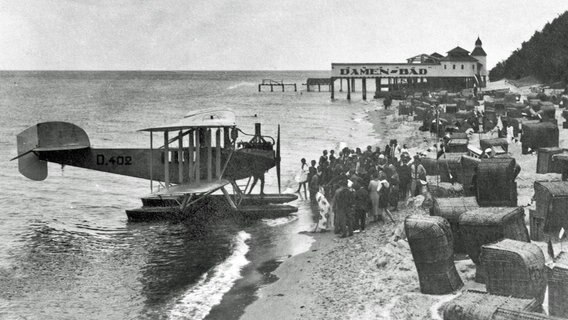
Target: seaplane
(196, 162)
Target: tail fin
(46, 136)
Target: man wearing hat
(343, 201)
(404, 175)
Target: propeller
(278, 159)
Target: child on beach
(303, 177)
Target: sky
(256, 34)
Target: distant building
(479, 54)
(457, 70)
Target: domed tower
(479, 54)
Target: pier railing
(274, 83)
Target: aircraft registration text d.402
(118, 160)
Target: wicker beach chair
(446, 190)
(496, 186)
(478, 305)
(547, 110)
(544, 163)
(551, 202)
(539, 135)
(514, 268)
(558, 287)
(486, 225)
(431, 244)
(451, 209)
(508, 314)
(457, 145)
(495, 142)
(469, 167)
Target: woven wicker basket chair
(448, 167)
(445, 190)
(457, 145)
(431, 244)
(486, 225)
(539, 135)
(544, 163)
(508, 314)
(496, 186)
(469, 168)
(477, 305)
(547, 111)
(488, 143)
(419, 113)
(551, 202)
(514, 268)
(451, 209)
(558, 287)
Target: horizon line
(158, 70)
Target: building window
(473, 66)
(462, 66)
(445, 67)
(453, 66)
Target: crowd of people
(364, 186)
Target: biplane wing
(210, 118)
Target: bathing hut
(539, 135)
(486, 225)
(496, 186)
(551, 205)
(478, 305)
(451, 209)
(544, 163)
(431, 244)
(514, 268)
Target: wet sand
(369, 275)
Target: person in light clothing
(418, 175)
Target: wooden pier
(273, 83)
(319, 82)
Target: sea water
(66, 247)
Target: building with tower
(458, 69)
(479, 54)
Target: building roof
(460, 58)
(436, 55)
(423, 58)
(478, 51)
(458, 50)
(478, 42)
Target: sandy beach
(370, 275)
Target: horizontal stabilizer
(47, 136)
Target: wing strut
(278, 160)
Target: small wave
(241, 84)
(279, 221)
(209, 290)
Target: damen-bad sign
(401, 70)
